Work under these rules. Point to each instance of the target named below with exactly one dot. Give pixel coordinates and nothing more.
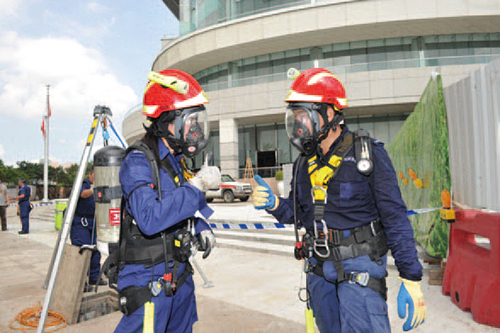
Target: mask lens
(300, 127)
(298, 124)
(195, 132)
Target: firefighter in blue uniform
(156, 288)
(345, 194)
(23, 198)
(83, 230)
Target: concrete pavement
(255, 289)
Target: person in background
(83, 231)
(4, 203)
(23, 199)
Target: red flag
(43, 128)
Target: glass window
(284, 149)
(375, 43)
(342, 58)
(278, 66)
(340, 47)
(381, 131)
(246, 145)
(358, 45)
(266, 138)
(377, 54)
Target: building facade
(383, 51)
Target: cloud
(9, 7)
(97, 7)
(88, 29)
(2, 151)
(78, 76)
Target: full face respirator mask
(190, 133)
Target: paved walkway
(253, 291)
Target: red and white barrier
(472, 273)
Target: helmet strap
(160, 129)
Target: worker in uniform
(83, 230)
(345, 194)
(156, 288)
(23, 199)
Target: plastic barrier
(59, 208)
(472, 273)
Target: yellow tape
(91, 135)
(177, 243)
(148, 325)
(309, 321)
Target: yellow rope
(28, 320)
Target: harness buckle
(360, 278)
(323, 243)
(321, 188)
(155, 287)
(336, 236)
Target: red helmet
(171, 89)
(317, 85)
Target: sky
(95, 52)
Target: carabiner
(322, 242)
(84, 222)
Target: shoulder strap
(167, 166)
(150, 156)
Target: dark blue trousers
(175, 314)
(24, 207)
(348, 307)
(84, 233)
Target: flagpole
(46, 151)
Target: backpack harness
(329, 244)
(134, 247)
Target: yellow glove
(410, 294)
(263, 197)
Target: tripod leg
(99, 113)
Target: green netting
(422, 146)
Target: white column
(228, 135)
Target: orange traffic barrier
(472, 273)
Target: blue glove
(410, 294)
(262, 196)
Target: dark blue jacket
(152, 215)
(24, 203)
(25, 189)
(355, 200)
(85, 206)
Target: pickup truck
(229, 190)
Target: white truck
(229, 190)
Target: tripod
(102, 115)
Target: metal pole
(99, 112)
(207, 283)
(46, 152)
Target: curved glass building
(384, 51)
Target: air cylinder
(107, 195)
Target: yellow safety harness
(320, 177)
